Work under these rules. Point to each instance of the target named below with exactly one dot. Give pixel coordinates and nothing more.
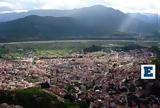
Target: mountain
(95, 22)
(103, 19)
(40, 28)
(147, 17)
(150, 18)
(56, 13)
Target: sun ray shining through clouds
(125, 24)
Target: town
(101, 79)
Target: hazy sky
(143, 6)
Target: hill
(39, 28)
(93, 22)
(33, 98)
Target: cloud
(123, 5)
(70, 4)
(5, 8)
(135, 5)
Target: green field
(61, 48)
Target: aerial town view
(91, 78)
(79, 54)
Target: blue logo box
(148, 72)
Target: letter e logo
(148, 72)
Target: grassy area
(34, 98)
(53, 52)
(156, 60)
(61, 48)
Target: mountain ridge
(95, 21)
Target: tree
(69, 89)
(45, 85)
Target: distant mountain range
(96, 21)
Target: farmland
(62, 48)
